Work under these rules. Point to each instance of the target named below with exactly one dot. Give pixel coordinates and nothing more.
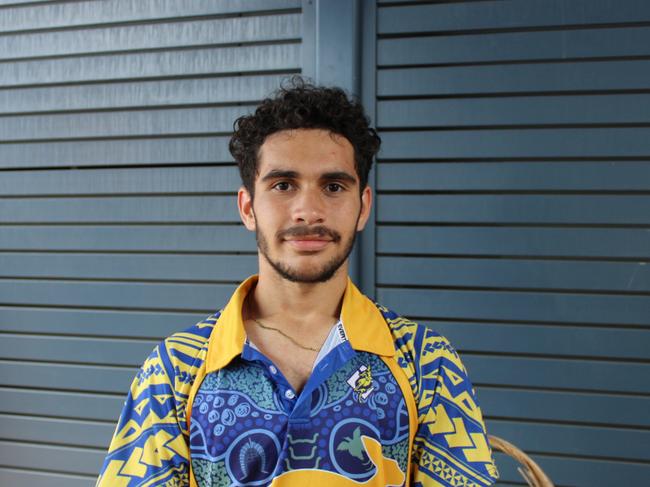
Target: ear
(366, 206)
(245, 205)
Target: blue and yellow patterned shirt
(388, 403)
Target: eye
(334, 188)
(282, 186)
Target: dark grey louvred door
(118, 222)
(513, 211)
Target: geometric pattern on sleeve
(149, 447)
(450, 447)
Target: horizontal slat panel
(72, 349)
(110, 294)
(567, 242)
(11, 3)
(90, 378)
(579, 407)
(531, 176)
(520, 306)
(518, 46)
(496, 14)
(515, 78)
(586, 375)
(168, 180)
(176, 238)
(70, 14)
(183, 150)
(574, 440)
(575, 471)
(96, 322)
(59, 431)
(546, 110)
(507, 467)
(159, 209)
(579, 209)
(588, 142)
(10, 476)
(241, 89)
(46, 457)
(137, 266)
(531, 339)
(182, 121)
(277, 57)
(152, 36)
(62, 404)
(531, 274)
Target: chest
(246, 429)
(293, 358)
(295, 366)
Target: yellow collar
(364, 325)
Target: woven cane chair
(529, 470)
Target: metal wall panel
(450, 17)
(118, 223)
(152, 64)
(517, 78)
(230, 239)
(67, 15)
(203, 33)
(512, 215)
(158, 93)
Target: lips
(308, 243)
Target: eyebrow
(339, 176)
(278, 174)
(328, 176)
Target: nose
(309, 208)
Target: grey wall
(513, 214)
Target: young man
(300, 379)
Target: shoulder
(171, 368)
(185, 350)
(185, 344)
(415, 340)
(177, 358)
(420, 351)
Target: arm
(150, 445)
(451, 440)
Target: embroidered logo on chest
(361, 383)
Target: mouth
(308, 244)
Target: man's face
(307, 206)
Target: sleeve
(451, 446)
(150, 445)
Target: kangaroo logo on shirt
(387, 472)
(361, 383)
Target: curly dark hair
(298, 104)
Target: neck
(297, 305)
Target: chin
(307, 274)
(307, 277)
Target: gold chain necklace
(266, 327)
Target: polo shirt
(388, 403)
